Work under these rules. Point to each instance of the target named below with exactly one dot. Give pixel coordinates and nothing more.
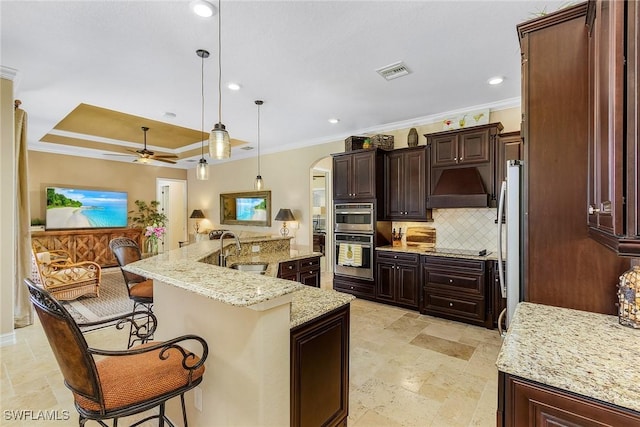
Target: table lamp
(197, 214)
(285, 215)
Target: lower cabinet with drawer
(398, 278)
(455, 288)
(305, 271)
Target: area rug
(113, 300)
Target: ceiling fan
(145, 155)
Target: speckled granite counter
(309, 303)
(422, 251)
(586, 353)
(183, 268)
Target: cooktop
(454, 251)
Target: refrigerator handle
(503, 193)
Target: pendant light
(219, 142)
(258, 184)
(202, 170)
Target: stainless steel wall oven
(354, 255)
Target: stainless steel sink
(258, 268)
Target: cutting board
(421, 236)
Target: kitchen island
(257, 330)
(568, 367)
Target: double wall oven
(354, 229)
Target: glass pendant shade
(202, 170)
(219, 142)
(258, 184)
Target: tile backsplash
(462, 228)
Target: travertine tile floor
(407, 369)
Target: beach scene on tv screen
(78, 208)
(251, 209)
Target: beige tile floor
(407, 369)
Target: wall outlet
(255, 248)
(197, 398)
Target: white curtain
(23, 314)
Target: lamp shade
(197, 213)
(285, 215)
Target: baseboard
(8, 339)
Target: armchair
(64, 279)
(110, 384)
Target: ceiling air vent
(393, 71)
(248, 148)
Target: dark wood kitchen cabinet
(357, 175)
(469, 156)
(454, 288)
(524, 403)
(509, 147)
(613, 205)
(405, 185)
(562, 266)
(398, 278)
(462, 147)
(320, 371)
(305, 271)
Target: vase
(412, 139)
(152, 246)
(629, 298)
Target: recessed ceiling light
(202, 8)
(233, 86)
(334, 121)
(495, 80)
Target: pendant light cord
(258, 138)
(202, 108)
(219, 65)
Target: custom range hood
(458, 188)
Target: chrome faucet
(222, 258)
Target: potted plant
(151, 221)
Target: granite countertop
(421, 250)
(309, 303)
(586, 353)
(184, 269)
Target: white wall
(286, 174)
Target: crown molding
(8, 73)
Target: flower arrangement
(152, 221)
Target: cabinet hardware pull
(450, 280)
(593, 210)
(450, 304)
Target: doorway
(321, 211)
(172, 195)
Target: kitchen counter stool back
(139, 288)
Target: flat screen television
(251, 209)
(69, 208)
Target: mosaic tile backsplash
(462, 228)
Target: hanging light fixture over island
(219, 141)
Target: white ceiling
(308, 60)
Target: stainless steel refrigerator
(509, 239)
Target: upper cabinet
(509, 148)
(357, 175)
(462, 167)
(405, 172)
(613, 205)
(460, 148)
